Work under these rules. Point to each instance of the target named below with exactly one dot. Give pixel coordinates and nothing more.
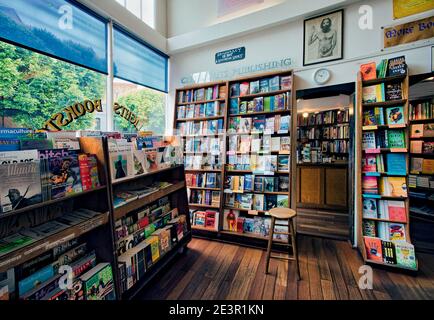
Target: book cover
(282, 201)
(286, 83)
(369, 185)
(234, 106)
(369, 228)
(373, 249)
(271, 202)
(428, 166)
(396, 139)
(264, 85)
(369, 94)
(396, 232)
(20, 186)
(395, 115)
(393, 91)
(369, 163)
(230, 220)
(254, 87)
(368, 140)
(417, 131)
(244, 88)
(396, 210)
(388, 248)
(369, 118)
(64, 176)
(397, 66)
(370, 208)
(235, 89)
(416, 165)
(368, 71)
(275, 83)
(396, 163)
(405, 255)
(98, 282)
(258, 202)
(283, 184)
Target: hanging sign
(128, 115)
(405, 8)
(71, 113)
(409, 32)
(230, 55)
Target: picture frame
(322, 42)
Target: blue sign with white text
(230, 55)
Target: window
(136, 62)
(147, 104)
(142, 9)
(56, 28)
(33, 87)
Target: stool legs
(291, 224)
(270, 242)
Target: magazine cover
(20, 186)
(64, 176)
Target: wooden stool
(288, 215)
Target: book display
(243, 164)
(200, 121)
(258, 158)
(323, 137)
(421, 177)
(75, 206)
(382, 151)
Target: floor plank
(329, 270)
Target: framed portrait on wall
(323, 38)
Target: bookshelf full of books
(110, 209)
(421, 178)
(382, 146)
(200, 121)
(323, 137)
(54, 217)
(257, 174)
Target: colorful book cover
(417, 130)
(369, 118)
(282, 201)
(396, 139)
(389, 255)
(254, 87)
(396, 163)
(369, 163)
(396, 210)
(369, 228)
(230, 220)
(264, 85)
(396, 232)
(244, 89)
(64, 176)
(395, 115)
(397, 66)
(405, 255)
(369, 185)
(373, 249)
(235, 90)
(370, 208)
(368, 71)
(275, 83)
(368, 140)
(286, 83)
(98, 282)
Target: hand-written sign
(409, 32)
(128, 115)
(71, 113)
(230, 55)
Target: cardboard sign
(409, 32)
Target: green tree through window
(34, 87)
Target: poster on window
(229, 6)
(405, 8)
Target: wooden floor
(329, 270)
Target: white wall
(178, 10)
(286, 40)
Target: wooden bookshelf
(422, 225)
(177, 195)
(96, 231)
(360, 107)
(222, 99)
(288, 110)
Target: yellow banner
(409, 32)
(405, 8)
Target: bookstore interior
(165, 150)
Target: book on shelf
(396, 163)
(393, 91)
(393, 186)
(395, 115)
(368, 71)
(373, 249)
(374, 93)
(396, 66)
(423, 130)
(422, 110)
(405, 255)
